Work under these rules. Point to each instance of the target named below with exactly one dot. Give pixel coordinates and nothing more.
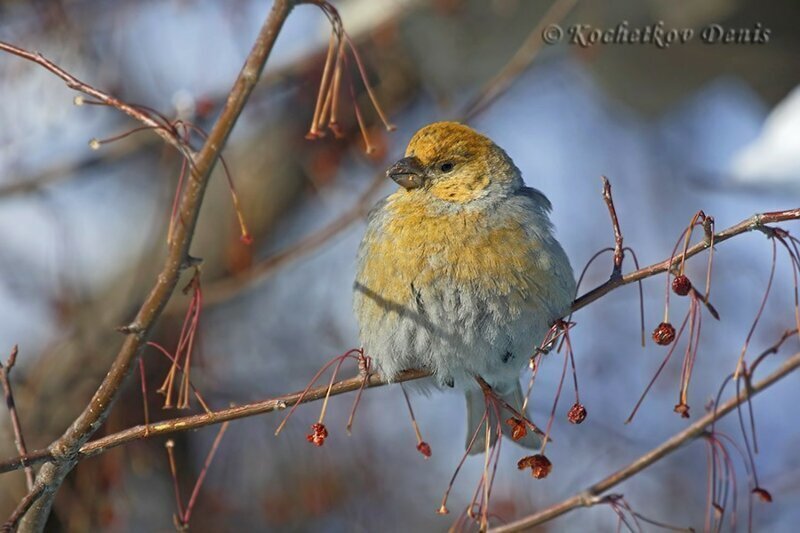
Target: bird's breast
(414, 252)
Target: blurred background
(82, 236)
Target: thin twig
(75, 84)
(589, 496)
(202, 476)
(523, 57)
(619, 250)
(173, 472)
(19, 439)
(24, 504)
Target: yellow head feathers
(452, 162)
(442, 140)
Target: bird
(459, 273)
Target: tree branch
(756, 222)
(589, 496)
(186, 423)
(65, 449)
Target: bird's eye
(446, 167)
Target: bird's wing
(548, 273)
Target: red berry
(664, 334)
(539, 464)
(318, 434)
(681, 285)
(518, 429)
(577, 413)
(763, 494)
(682, 409)
(424, 448)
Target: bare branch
(65, 448)
(186, 423)
(590, 496)
(756, 222)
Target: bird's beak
(407, 173)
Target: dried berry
(763, 494)
(442, 510)
(681, 285)
(518, 429)
(539, 464)
(682, 409)
(424, 448)
(318, 434)
(664, 334)
(577, 413)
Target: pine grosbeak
(459, 272)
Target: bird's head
(455, 164)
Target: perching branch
(64, 451)
(592, 495)
(186, 423)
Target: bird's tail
(476, 407)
